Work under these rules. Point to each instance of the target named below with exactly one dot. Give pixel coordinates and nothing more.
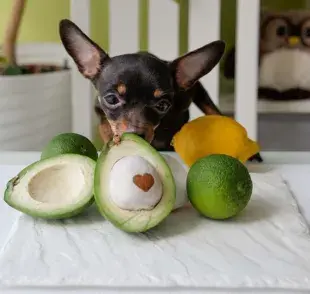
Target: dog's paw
(256, 157)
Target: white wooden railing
(163, 34)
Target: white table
(294, 167)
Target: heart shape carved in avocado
(145, 182)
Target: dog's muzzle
(145, 131)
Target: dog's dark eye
(111, 100)
(162, 106)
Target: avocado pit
(135, 184)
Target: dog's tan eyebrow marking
(121, 88)
(157, 93)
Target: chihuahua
(141, 93)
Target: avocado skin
(40, 214)
(97, 185)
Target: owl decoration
(284, 56)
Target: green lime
(219, 186)
(71, 143)
(12, 70)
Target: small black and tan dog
(140, 92)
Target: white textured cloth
(267, 246)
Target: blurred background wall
(41, 18)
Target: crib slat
(204, 27)
(247, 32)
(124, 26)
(81, 90)
(163, 28)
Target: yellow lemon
(213, 134)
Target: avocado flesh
(132, 220)
(54, 188)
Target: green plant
(8, 60)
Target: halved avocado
(142, 213)
(54, 188)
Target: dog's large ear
(190, 67)
(87, 55)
